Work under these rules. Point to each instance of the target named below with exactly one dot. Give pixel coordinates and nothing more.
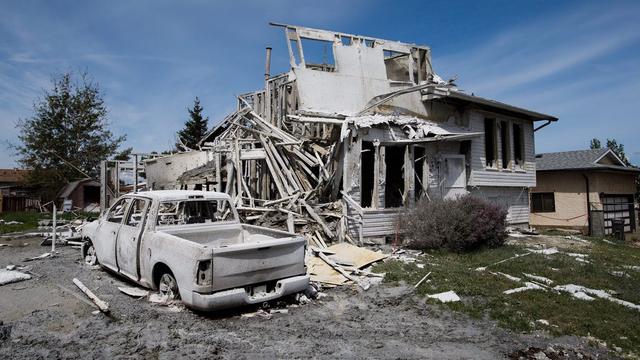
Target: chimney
(267, 65)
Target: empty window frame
(505, 144)
(318, 54)
(367, 166)
(294, 47)
(420, 71)
(543, 202)
(398, 65)
(490, 143)
(518, 144)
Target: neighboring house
(83, 194)
(384, 128)
(583, 190)
(15, 193)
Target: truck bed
(246, 255)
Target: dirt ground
(48, 317)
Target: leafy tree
(124, 155)
(67, 136)
(595, 144)
(194, 129)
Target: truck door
(128, 241)
(105, 242)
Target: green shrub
(461, 224)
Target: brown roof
(13, 175)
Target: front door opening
(366, 173)
(394, 184)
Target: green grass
(482, 293)
(30, 220)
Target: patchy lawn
(607, 267)
(29, 220)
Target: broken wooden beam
(103, 306)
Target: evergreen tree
(67, 136)
(595, 144)
(194, 128)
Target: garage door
(618, 207)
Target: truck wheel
(89, 254)
(168, 286)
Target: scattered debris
(326, 265)
(510, 277)
(483, 268)
(12, 276)
(528, 286)
(133, 291)
(43, 256)
(543, 322)
(548, 251)
(585, 293)
(103, 306)
(421, 280)
(11, 267)
(541, 279)
(449, 296)
(620, 274)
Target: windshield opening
(183, 212)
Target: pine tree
(194, 129)
(595, 144)
(67, 136)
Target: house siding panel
(480, 176)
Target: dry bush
(461, 224)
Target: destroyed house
(366, 122)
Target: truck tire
(89, 254)
(168, 286)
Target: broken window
(490, 148)
(116, 213)
(346, 40)
(504, 144)
(135, 214)
(543, 202)
(397, 65)
(369, 43)
(518, 145)
(394, 183)
(318, 54)
(367, 165)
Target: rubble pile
(274, 178)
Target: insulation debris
(527, 286)
(445, 297)
(537, 278)
(588, 294)
(12, 276)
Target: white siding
(515, 199)
(481, 176)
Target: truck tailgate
(250, 263)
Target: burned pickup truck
(191, 245)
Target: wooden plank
(103, 306)
(317, 218)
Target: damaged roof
(593, 159)
(488, 104)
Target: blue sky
(577, 60)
